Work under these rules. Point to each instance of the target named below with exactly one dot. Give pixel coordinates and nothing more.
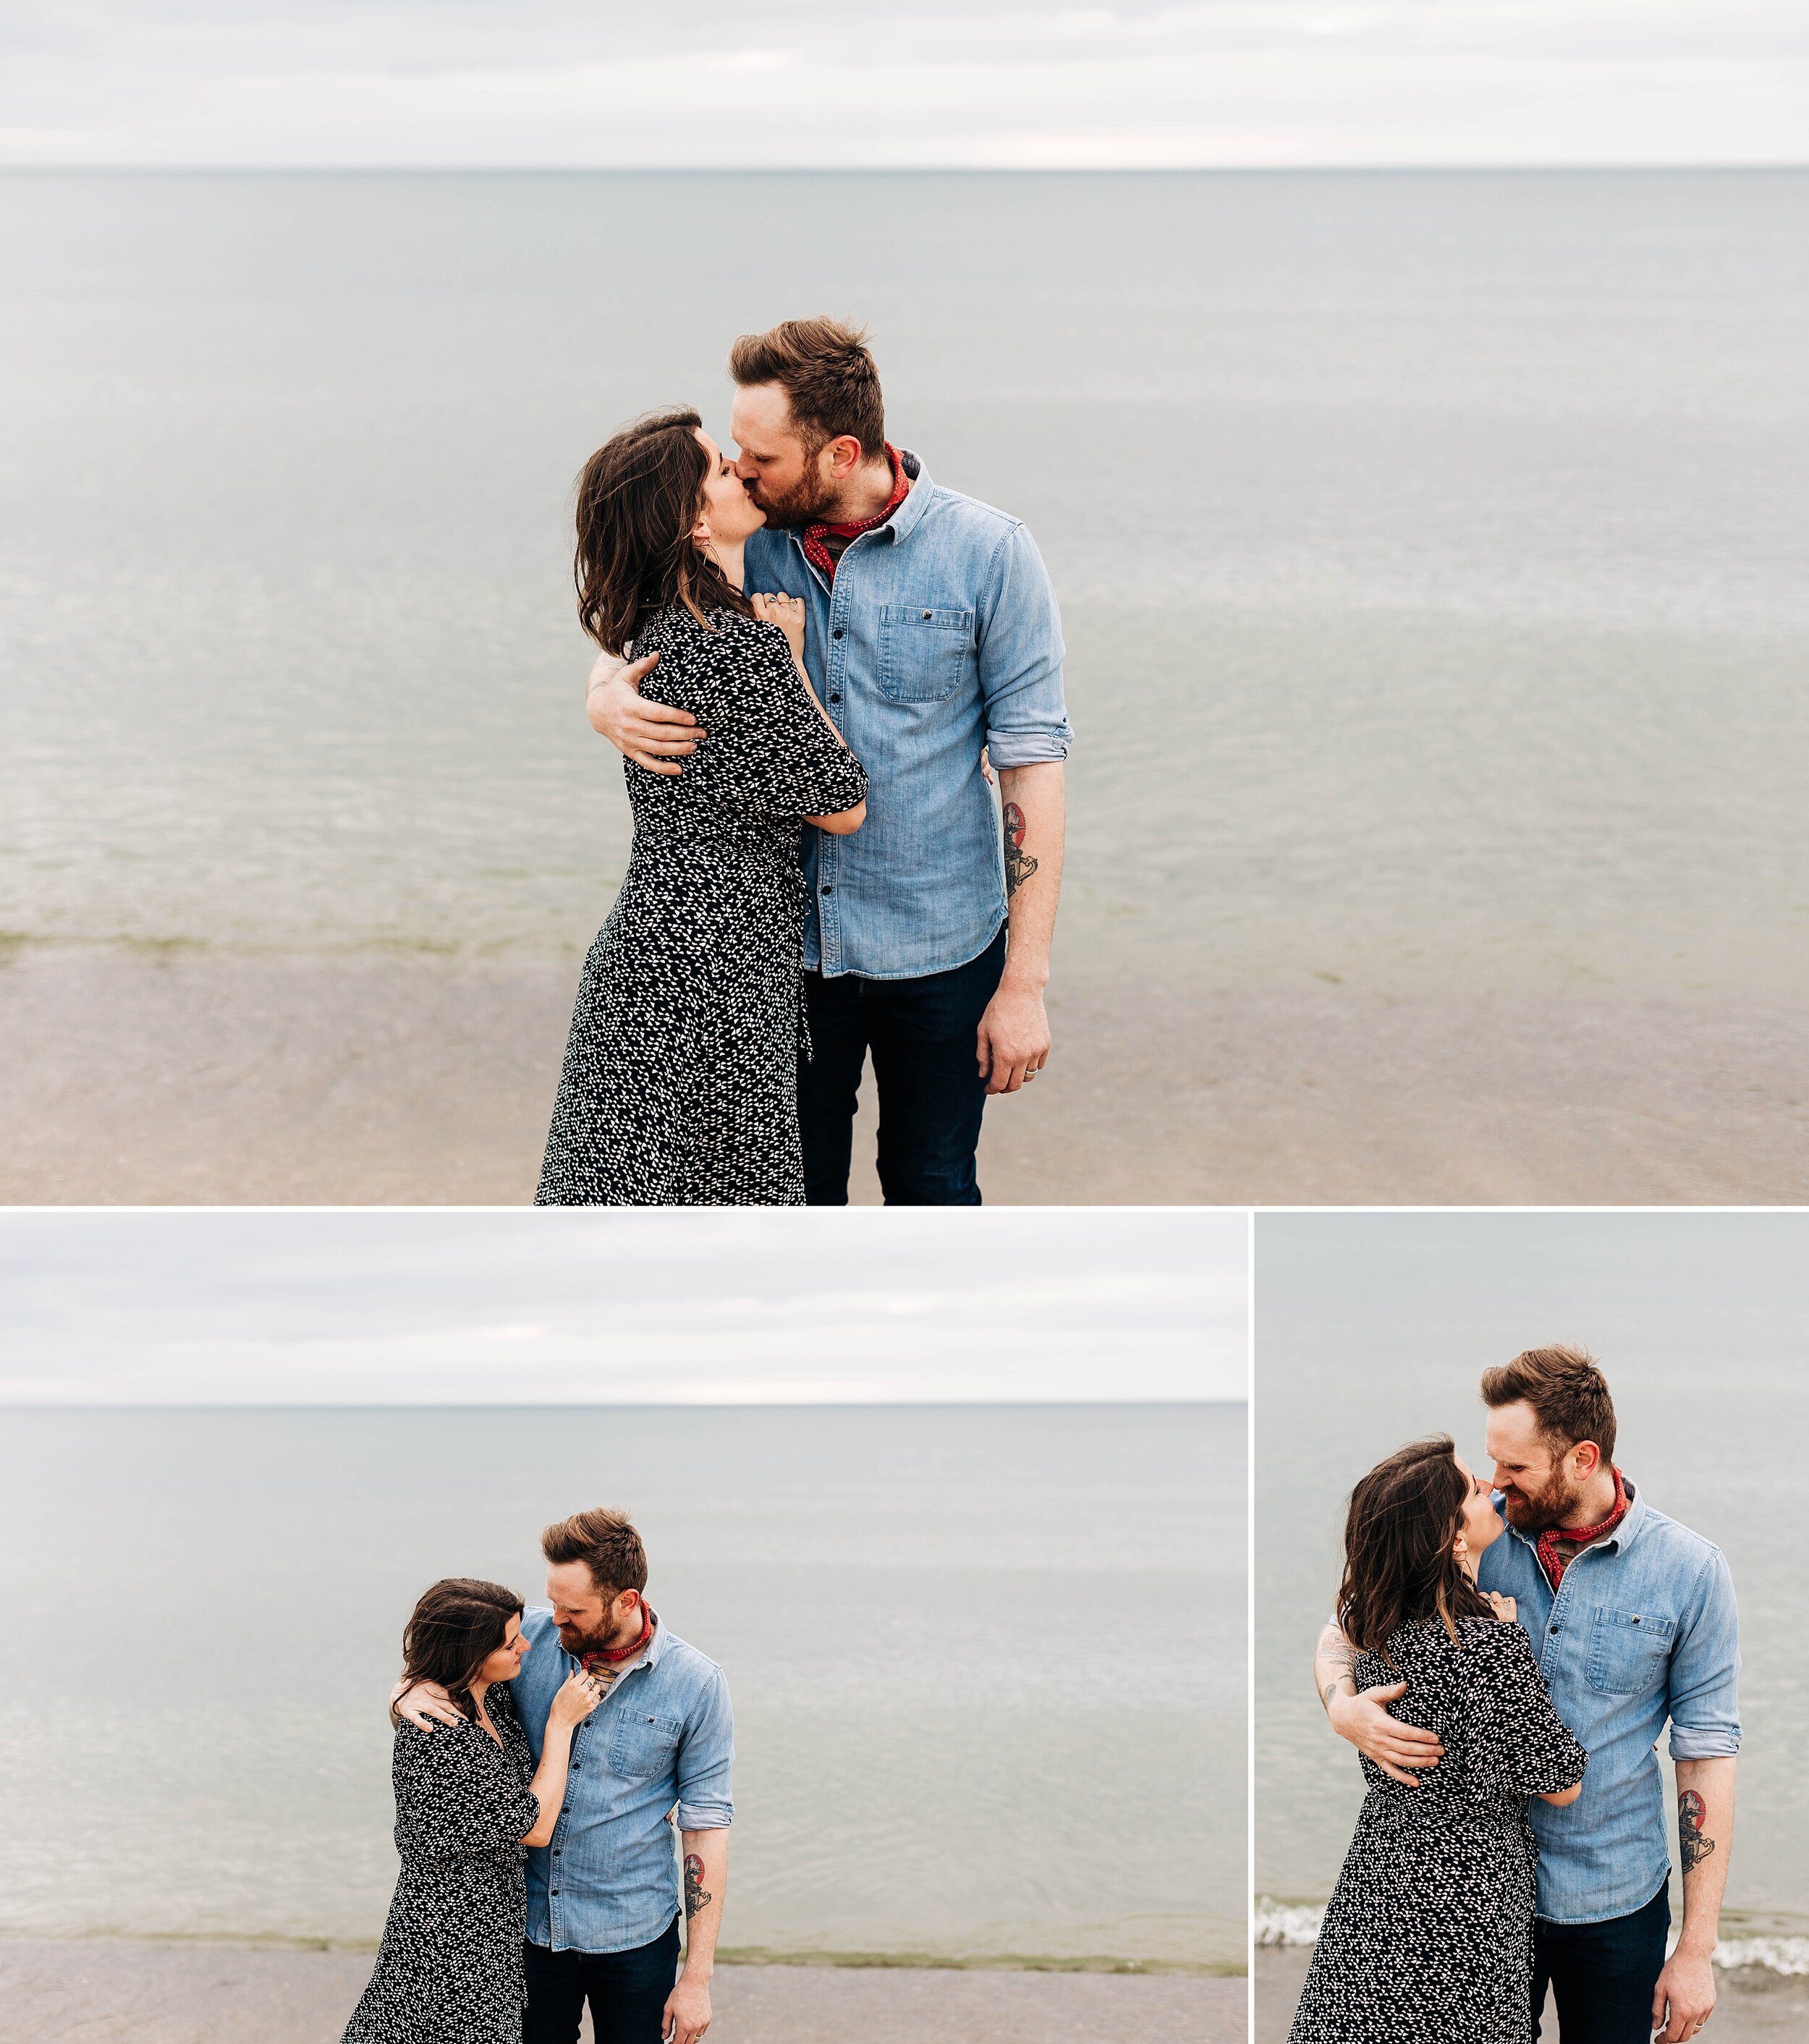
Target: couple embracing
(1505, 1657)
(543, 1758)
(816, 661)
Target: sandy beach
(102, 1990)
(196, 1078)
(1753, 2006)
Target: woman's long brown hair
(1399, 1566)
(456, 1625)
(638, 499)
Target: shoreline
(183, 1991)
(1753, 2006)
(200, 1079)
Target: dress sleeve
(456, 1793)
(769, 754)
(1520, 1744)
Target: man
(1633, 1619)
(603, 1899)
(934, 642)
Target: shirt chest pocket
(924, 654)
(1628, 1650)
(643, 1744)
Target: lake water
(1428, 547)
(1372, 1329)
(987, 1662)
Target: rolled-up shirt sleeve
(1021, 653)
(1705, 1670)
(706, 1762)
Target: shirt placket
(1553, 1630)
(829, 847)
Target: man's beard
(577, 1643)
(809, 501)
(1530, 1512)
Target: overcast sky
(988, 82)
(436, 1309)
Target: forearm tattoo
(1691, 1811)
(697, 1895)
(1019, 864)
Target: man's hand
(424, 1704)
(652, 734)
(1686, 1993)
(1395, 1747)
(687, 2011)
(1013, 1041)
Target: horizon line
(591, 1405)
(1632, 167)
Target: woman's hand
(1504, 1606)
(578, 1695)
(787, 612)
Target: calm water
(1429, 547)
(1372, 1329)
(987, 1663)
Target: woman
(679, 1086)
(449, 1970)
(1428, 1936)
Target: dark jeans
(921, 1032)
(627, 1991)
(1602, 1975)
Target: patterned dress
(1428, 1936)
(679, 1086)
(449, 1969)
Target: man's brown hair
(606, 1543)
(827, 375)
(1567, 1391)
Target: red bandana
(825, 545)
(1577, 1538)
(613, 1656)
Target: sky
(386, 1307)
(988, 83)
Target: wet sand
(187, 1076)
(120, 1992)
(1751, 2006)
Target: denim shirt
(609, 1880)
(940, 636)
(1642, 1628)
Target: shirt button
(835, 696)
(834, 635)
(829, 887)
(927, 615)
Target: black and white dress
(679, 1086)
(449, 1969)
(1428, 1936)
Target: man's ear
(1588, 1457)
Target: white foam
(1298, 1923)
(1285, 1923)
(1776, 1955)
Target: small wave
(1775, 1955)
(1287, 1923)
(1298, 1923)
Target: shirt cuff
(1688, 1743)
(705, 1816)
(1027, 748)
